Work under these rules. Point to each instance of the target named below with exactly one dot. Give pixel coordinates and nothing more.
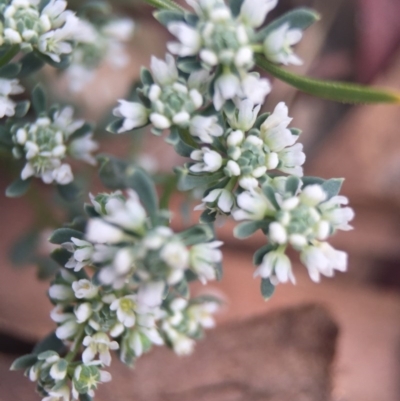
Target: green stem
(9, 55)
(165, 5)
(77, 344)
(231, 184)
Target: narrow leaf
(248, 228)
(331, 90)
(300, 18)
(260, 253)
(70, 192)
(49, 343)
(62, 235)
(24, 362)
(18, 188)
(267, 288)
(39, 99)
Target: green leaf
(269, 192)
(165, 17)
(248, 228)
(260, 120)
(10, 70)
(292, 184)
(49, 343)
(141, 182)
(267, 288)
(182, 288)
(22, 108)
(260, 253)
(331, 90)
(332, 187)
(23, 250)
(312, 180)
(70, 192)
(24, 362)
(62, 65)
(146, 77)
(115, 126)
(18, 188)
(300, 18)
(61, 256)
(82, 131)
(189, 181)
(8, 55)
(112, 172)
(85, 397)
(39, 100)
(47, 268)
(197, 234)
(30, 64)
(235, 6)
(188, 64)
(208, 216)
(62, 235)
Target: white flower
(253, 206)
(150, 294)
(63, 174)
(323, 259)
(164, 72)
(312, 195)
(125, 308)
(84, 289)
(175, 255)
(254, 12)
(233, 169)
(83, 312)
(245, 116)
(339, 217)
(10, 87)
(82, 253)
(121, 29)
(209, 160)
(205, 128)
(60, 292)
(200, 315)
(81, 148)
(134, 114)
(58, 395)
(7, 107)
(274, 130)
(277, 233)
(100, 344)
(291, 159)
(67, 329)
(160, 121)
(101, 232)
(189, 38)
(249, 183)
(129, 215)
(226, 87)
(222, 198)
(203, 258)
(255, 88)
(277, 267)
(278, 45)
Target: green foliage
(18, 188)
(267, 288)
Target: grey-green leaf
(24, 362)
(62, 235)
(248, 228)
(18, 188)
(300, 18)
(39, 100)
(337, 91)
(267, 288)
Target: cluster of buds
(169, 99)
(44, 144)
(50, 30)
(137, 297)
(299, 214)
(225, 39)
(98, 43)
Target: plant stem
(165, 5)
(77, 344)
(9, 55)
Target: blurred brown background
(339, 340)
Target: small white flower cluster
(8, 87)
(51, 372)
(303, 218)
(51, 30)
(127, 251)
(172, 99)
(44, 144)
(218, 37)
(97, 44)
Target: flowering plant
(123, 278)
